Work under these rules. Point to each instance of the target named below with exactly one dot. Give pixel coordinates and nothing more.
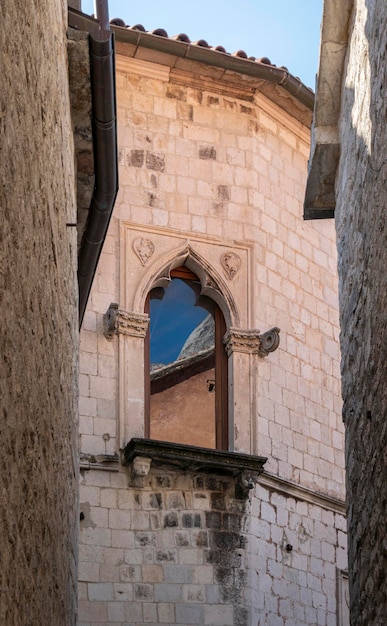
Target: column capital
(117, 321)
(251, 341)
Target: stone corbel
(118, 321)
(269, 341)
(139, 471)
(245, 484)
(251, 341)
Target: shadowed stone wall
(171, 552)
(38, 340)
(362, 247)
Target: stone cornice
(290, 489)
(142, 68)
(239, 466)
(120, 322)
(106, 462)
(192, 458)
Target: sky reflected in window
(175, 312)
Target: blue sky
(286, 31)
(173, 318)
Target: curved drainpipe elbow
(102, 69)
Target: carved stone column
(131, 329)
(244, 347)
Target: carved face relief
(231, 263)
(141, 466)
(144, 249)
(139, 472)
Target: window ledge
(193, 458)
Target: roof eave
(325, 146)
(181, 50)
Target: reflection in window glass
(182, 364)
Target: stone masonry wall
(203, 163)
(362, 250)
(297, 550)
(38, 340)
(172, 552)
(208, 161)
(184, 550)
(198, 162)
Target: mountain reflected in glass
(182, 364)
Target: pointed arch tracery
(212, 283)
(187, 399)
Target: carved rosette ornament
(231, 264)
(251, 341)
(120, 322)
(144, 249)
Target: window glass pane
(182, 364)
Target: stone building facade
(39, 336)
(249, 528)
(350, 133)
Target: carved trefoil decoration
(251, 341)
(231, 264)
(144, 248)
(118, 321)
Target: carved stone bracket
(251, 341)
(118, 321)
(139, 471)
(246, 482)
(269, 341)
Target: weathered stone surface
(238, 560)
(230, 180)
(362, 246)
(81, 104)
(38, 365)
(194, 559)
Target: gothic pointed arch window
(186, 399)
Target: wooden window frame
(221, 369)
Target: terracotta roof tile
(181, 47)
(161, 32)
(182, 37)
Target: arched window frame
(245, 345)
(221, 367)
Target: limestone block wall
(210, 166)
(361, 228)
(38, 340)
(201, 162)
(298, 559)
(185, 550)
(173, 552)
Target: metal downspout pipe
(101, 8)
(102, 69)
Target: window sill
(193, 458)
